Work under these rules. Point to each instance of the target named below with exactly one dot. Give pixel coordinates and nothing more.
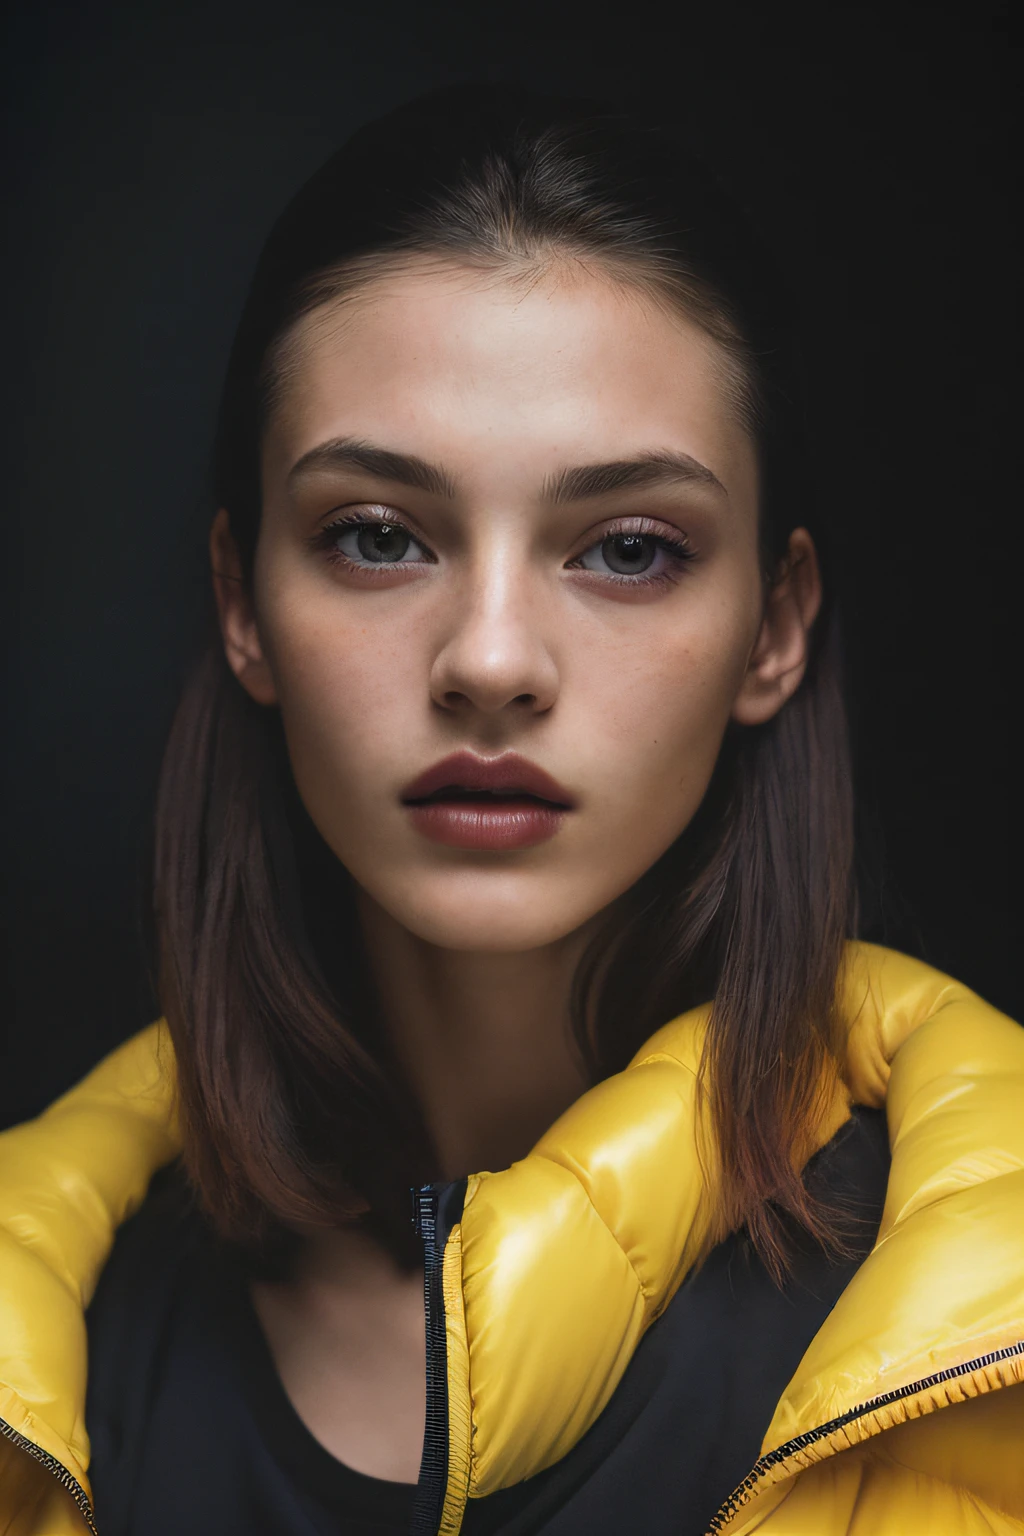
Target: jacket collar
(560, 1262)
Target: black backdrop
(149, 148)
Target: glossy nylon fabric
(561, 1262)
(67, 1181)
(569, 1255)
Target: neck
(483, 1038)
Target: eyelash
(326, 542)
(678, 549)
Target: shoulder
(68, 1180)
(894, 1006)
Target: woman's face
(567, 577)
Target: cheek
(346, 690)
(651, 723)
(659, 714)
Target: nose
(494, 652)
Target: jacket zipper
(56, 1468)
(433, 1478)
(434, 1465)
(742, 1494)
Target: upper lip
(510, 772)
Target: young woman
(503, 856)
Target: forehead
(508, 375)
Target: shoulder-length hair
(294, 1111)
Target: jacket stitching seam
(611, 1233)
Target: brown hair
(293, 1110)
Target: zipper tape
(56, 1469)
(765, 1464)
(436, 1209)
(434, 1465)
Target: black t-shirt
(193, 1431)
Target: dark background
(149, 147)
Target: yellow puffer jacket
(560, 1263)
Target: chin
(482, 921)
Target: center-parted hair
(294, 1109)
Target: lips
(463, 775)
(490, 805)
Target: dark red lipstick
(493, 805)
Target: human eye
(370, 540)
(637, 552)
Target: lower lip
(499, 828)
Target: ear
(778, 660)
(242, 645)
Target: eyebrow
(655, 468)
(382, 463)
(577, 483)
